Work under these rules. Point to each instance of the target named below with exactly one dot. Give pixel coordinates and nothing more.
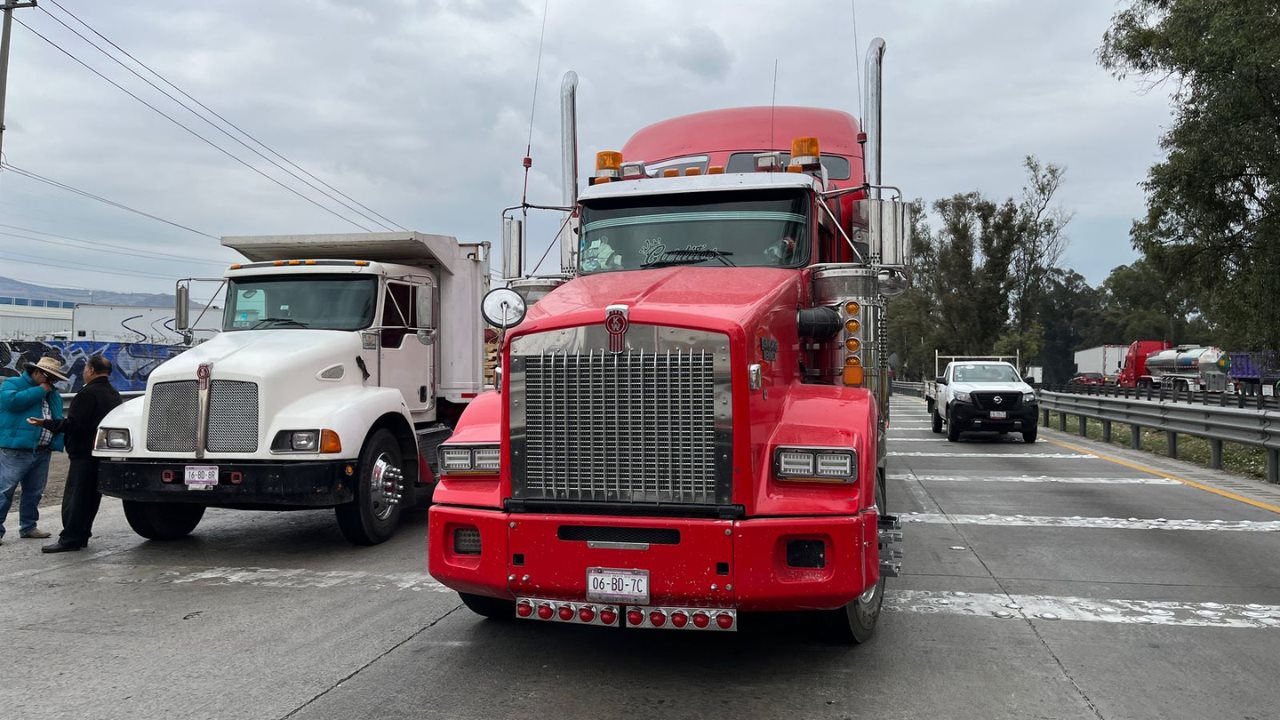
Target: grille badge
(616, 324)
(203, 371)
(997, 400)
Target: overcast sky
(420, 110)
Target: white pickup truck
(983, 396)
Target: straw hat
(48, 365)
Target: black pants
(80, 501)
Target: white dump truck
(343, 361)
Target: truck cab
(330, 385)
(984, 396)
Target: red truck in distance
(692, 423)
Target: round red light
(724, 620)
(608, 617)
(635, 617)
(657, 618)
(679, 619)
(545, 612)
(524, 609)
(566, 612)
(586, 614)
(701, 619)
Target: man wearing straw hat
(25, 448)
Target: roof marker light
(693, 171)
(715, 170)
(671, 172)
(805, 153)
(633, 170)
(608, 163)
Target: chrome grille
(639, 426)
(173, 410)
(233, 416)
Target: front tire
(1029, 436)
(855, 623)
(490, 607)
(373, 515)
(936, 421)
(953, 430)
(162, 521)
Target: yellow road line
(1175, 478)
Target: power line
(63, 186)
(193, 133)
(100, 243)
(110, 249)
(35, 260)
(211, 123)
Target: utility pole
(8, 7)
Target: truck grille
(987, 400)
(174, 409)
(634, 427)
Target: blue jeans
(30, 469)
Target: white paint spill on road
(292, 578)
(1058, 456)
(1103, 523)
(1132, 612)
(1041, 479)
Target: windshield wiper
(289, 321)
(689, 256)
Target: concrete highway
(1063, 579)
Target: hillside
(17, 288)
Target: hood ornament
(616, 324)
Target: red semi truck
(692, 423)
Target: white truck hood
(263, 354)
(998, 387)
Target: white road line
(1059, 456)
(272, 577)
(1047, 608)
(1041, 479)
(1104, 523)
(902, 439)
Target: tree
(1212, 208)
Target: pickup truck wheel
(162, 521)
(854, 623)
(1030, 435)
(936, 420)
(373, 515)
(490, 607)
(953, 430)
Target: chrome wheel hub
(386, 487)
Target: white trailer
(128, 324)
(1105, 360)
(342, 362)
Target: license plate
(999, 414)
(201, 477)
(618, 586)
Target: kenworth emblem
(616, 324)
(202, 375)
(997, 400)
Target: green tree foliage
(1212, 208)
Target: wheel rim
(386, 481)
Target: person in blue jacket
(25, 448)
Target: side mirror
(426, 309)
(512, 248)
(503, 308)
(942, 380)
(427, 336)
(182, 309)
(888, 230)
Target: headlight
(816, 464)
(113, 439)
(1028, 397)
(962, 396)
(470, 459)
(306, 441)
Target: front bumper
(277, 485)
(692, 563)
(968, 417)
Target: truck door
(407, 344)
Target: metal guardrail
(915, 389)
(1259, 428)
(1166, 393)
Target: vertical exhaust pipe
(569, 166)
(871, 123)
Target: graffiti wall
(133, 361)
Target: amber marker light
(329, 442)
(852, 308)
(804, 147)
(852, 345)
(852, 326)
(609, 163)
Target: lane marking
(1190, 483)
(1047, 608)
(1056, 455)
(898, 440)
(1103, 523)
(1042, 479)
(292, 578)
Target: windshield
(721, 229)
(325, 302)
(986, 373)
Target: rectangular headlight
(113, 439)
(456, 459)
(795, 463)
(835, 464)
(487, 458)
(816, 464)
(304, 440)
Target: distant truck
(343, 362)
(129, 324)
(1255, 373)
(1156, 363)
(1105, 360)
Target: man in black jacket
(80, 498)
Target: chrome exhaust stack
(569, 168)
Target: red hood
(718, 295)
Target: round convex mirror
(503, 308)
(892, 282)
